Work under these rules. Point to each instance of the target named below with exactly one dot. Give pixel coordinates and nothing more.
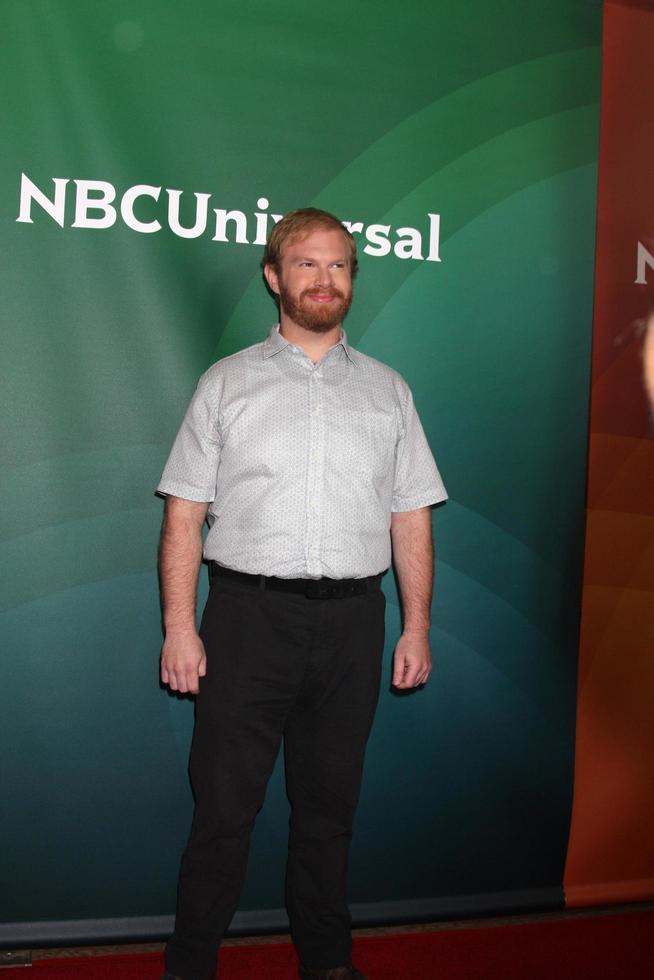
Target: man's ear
(272, 278)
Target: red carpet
(601, 947)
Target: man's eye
(308, 264)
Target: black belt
(312, 588)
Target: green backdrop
(484, 114)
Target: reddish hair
(298, 224)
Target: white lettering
(408, 244)
(644, 260)
(262, 222)
(84, 204)
(127, 208)
(30, 192)
(201, 213)
(239, 219)
(434, 238)
(95, 208)
(377, 235)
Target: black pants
(278, 665)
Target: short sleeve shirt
(302, 464)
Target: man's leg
(254, 669)
(325, 739)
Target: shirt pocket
(362, 445)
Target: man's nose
(324, 276)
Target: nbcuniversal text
(142, 208)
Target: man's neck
(315, 345)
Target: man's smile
(323, 296)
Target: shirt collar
(274, 343)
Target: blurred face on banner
(313, 280)
(648, 361)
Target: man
(306, 458)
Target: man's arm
(183, 660)
(413, 556)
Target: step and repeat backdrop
(147, 149)
(611, 855)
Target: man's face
(314, 284)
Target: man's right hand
(183, 661)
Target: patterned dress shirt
(302, 463)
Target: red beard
(318, 317)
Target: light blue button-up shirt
(302, 463)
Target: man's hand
(183, 661)
(412, 660)
(413, 554)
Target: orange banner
(611, 848)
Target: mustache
(317, 291)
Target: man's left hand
(412, 661)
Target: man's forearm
(180, 555)
(413, 556)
